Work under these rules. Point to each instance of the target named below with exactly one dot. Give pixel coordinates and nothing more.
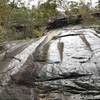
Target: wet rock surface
(65, 65)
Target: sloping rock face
(65, 65)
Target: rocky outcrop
(64, 21)
(65, 65)
(96, 14)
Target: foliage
(84, 9)
(37, 33)
(31, 19)
(73, 7)
(19, 22)
(44, 11)
(2, 34)
(77, 8)
(4, 10)
(97, 8)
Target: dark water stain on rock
(60, 48)
(40, 55)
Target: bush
(37, 33)
(2, 34)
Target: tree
(73, 7)
(84, 9)
(5, 10)
(45, 11)
(98, 6)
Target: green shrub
(37, 33)
(2, 34)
